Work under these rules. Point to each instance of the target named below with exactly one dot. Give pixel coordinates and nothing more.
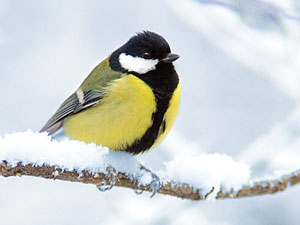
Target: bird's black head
(147, 45)
(142, 53)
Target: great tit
(128, 102)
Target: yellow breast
(121, 118)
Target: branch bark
(121, 180)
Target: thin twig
(184, 191)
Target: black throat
(163, 82)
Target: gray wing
(78, 101)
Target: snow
(208, 170)
(202, 172)
(38, 149)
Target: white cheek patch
(137, 64)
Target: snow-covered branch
(120, 179)
(170, 188)
(189, 177)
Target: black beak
(171, 57)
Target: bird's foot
(155, 183)
(112, 179)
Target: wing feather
(71, 106)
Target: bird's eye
(146, 55)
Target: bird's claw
(155, 182)
(112, 178)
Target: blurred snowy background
(240, 75)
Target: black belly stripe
(164, 125)
(151, 133)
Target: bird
(128, 102)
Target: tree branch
(171, 188)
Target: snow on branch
(120, 179)
(194, 178)
(170, 188)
